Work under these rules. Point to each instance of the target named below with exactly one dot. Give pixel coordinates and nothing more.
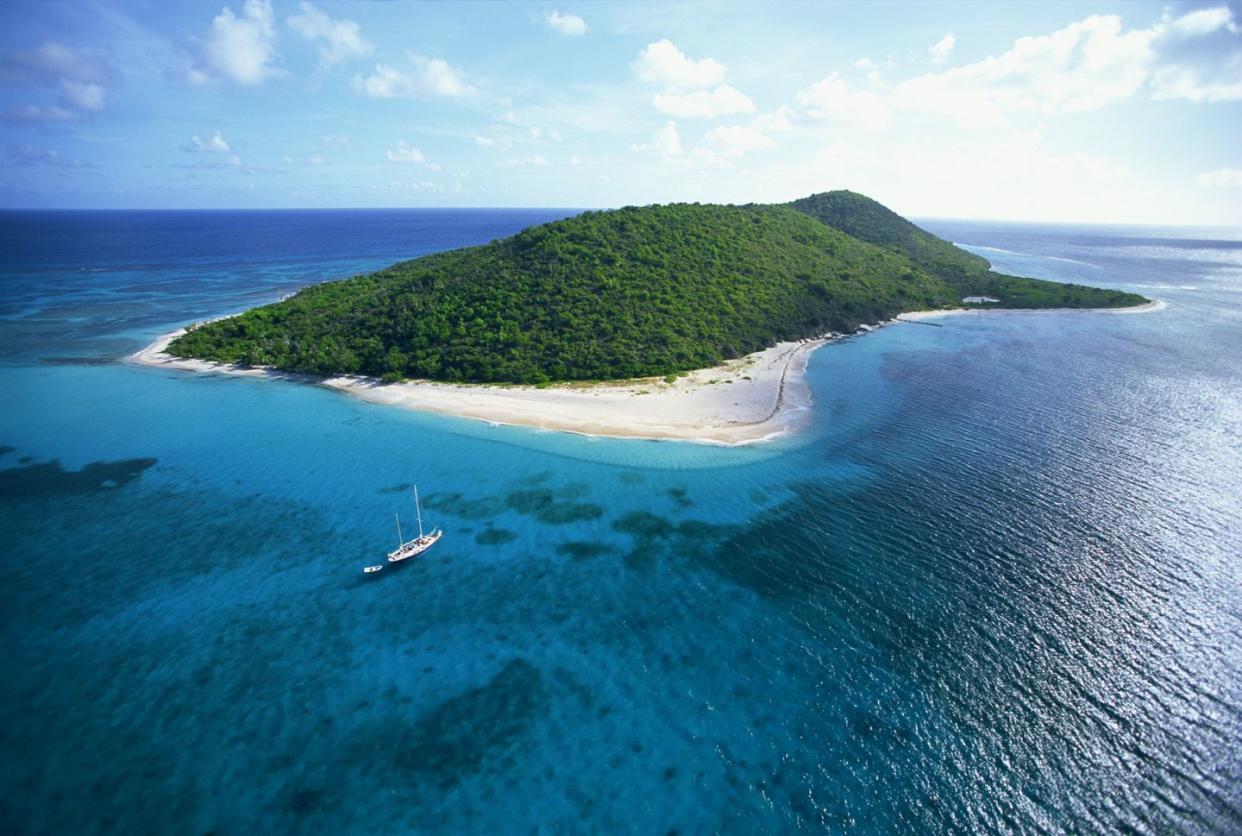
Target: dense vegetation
(967, 273)
(616, 294)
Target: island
(671, 321)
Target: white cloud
(1088, 65)
(778, 121)
(693, 89)
(81, 79)
(707, 104)
(567, 24)
(1083, 66)
(736, 140)
(334, 141)
(85, 95)
(666, 141)
(484, 141)
(442, 79)
(1199, 57)
(339, 39)
(215, 144)
(404, 153)
(1204, 22)
(833, 99)
(1221, 178)
(663, 63)
(939, 52)
(429, 77)
(243, 49)
(315, 159)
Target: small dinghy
(371, 569)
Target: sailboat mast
(418, 512)
(399, 540)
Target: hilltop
(965, 273)
(624, 293)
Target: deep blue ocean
(995, 586)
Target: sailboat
(413, 548)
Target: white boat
(413, 548)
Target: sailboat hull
(415, 547)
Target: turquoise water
(995, 585)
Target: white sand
(1148, 307)
(754, 398)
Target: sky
(1062, 112)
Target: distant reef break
(626, 293)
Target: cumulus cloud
(720, 101)
(404, 153)
(566, 24)
(692, 89)
(241, 48)
(427, 77)
(484, 141)
(1198, 57)
(214, 144)
(338, 39)
(939, 52)
(1087, 65)
(1083, 66)
(666, 141)
(833, 99)
(1221, 178)
(663, 63)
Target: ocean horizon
(992, 585)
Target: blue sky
(1043, 111)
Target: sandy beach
(754, 398)
(750, 399)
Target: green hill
(865, 219)
(605, 295)
(966, 273)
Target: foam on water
(994, 585)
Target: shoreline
(751, 399)
(755, 398)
